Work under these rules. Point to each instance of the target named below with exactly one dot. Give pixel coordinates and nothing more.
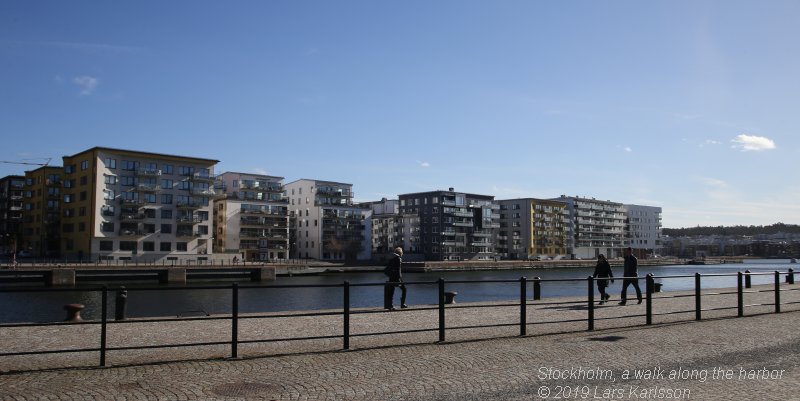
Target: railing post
(537, 288)
(523, 304)
(235, 320)
(747, 282)
(441, 309)
(346, 334)
(103, 326)
(697, 299)
(739, 295)
(777, 292)
(649, 298)
(590, 317)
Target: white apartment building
(644, 230)
(596, 227)
(252, 217)
(139, 206)
(326, 223)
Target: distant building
(326, 223)
(12, 188)
(644, 230)
(139, 206)
(251, 217)
(387, 227)
(532, 227)
(451, 225)
(41, 215)
(596, 227)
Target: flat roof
(319, 181)
(102, 148)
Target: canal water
(172, 301)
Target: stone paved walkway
(413, 367)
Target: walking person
(601, 271)
(394, 270)
(631, 270)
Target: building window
(68, 198)
(108, 194)
(166, 184)
(150, 198)
(82, 211)
(107, 227)
(150, 213)
(130, 165)
(111, 163)
(166, 246)
(166, 214)
(68, 228)
(168, 169)
(166, 199)
(67, 170)
(106, 245)
(84, 180)
(149, 228)
(69, 212)
(128, 181)
(127, 245)
(81, 227)
(84, 165)
(185, 171)
(181, 246)
(110, 179)
(148, 246)
(83, 196)
(166, 228)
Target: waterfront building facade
(531, 228)
(326, 223)
(12, 188)
(251, 216)
(387, 228)
(451, 225)
(41, 214)
(137, 206)
(596, 227)
(644, 230)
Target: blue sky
(688, 105)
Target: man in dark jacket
(601, 271)
(631, 270)
(394, 270)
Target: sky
(691, 106)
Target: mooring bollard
(537, 288)
(450, 297)
(790, 277)
(747, 283)
(121, 304)
(73, 312)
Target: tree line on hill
(732, 230)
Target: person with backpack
(394, 271)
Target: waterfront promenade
(480, 364)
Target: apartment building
(452, 225)
(12, 188)
(251, 217)
(531, 228)
(387, 227)
(644, 230)
(596, 227)
(140, 206)
(326, 223)
(41, 214)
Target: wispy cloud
(710, 142)
(756, 143)
(86, 83)
(713, 182)
(627, 149)
(423, 163)
(81, 46)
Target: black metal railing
(743, 281)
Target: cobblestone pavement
(503, 367)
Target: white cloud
(423, 163)
(86, 83)
(713, 182)
(628, 149)
(710, 142)
(747, 143)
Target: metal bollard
(121, 304)
(747, 283)
(790, 277)
(537, 288)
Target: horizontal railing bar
(171, 319)
(415, 309)
(556, 321)
(42, 324)
(514, 281)
(463, 306)
(725, 308)
(183, 345)
(486, 326)
(381, 284)
(720, 293)
(289, 315)
(556, 303)
(674, 296)
(393, 332)
(751, 305)
(620, 317)
(273, 340)
(673, 313)
(59, 351)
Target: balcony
(132, 202)
(482, 235)
(187, 234)
(190, 205)
(188, 220)
(462, 224)
(491, 225)
(334, 193)
(451, 243)
(148, 187)
(146, 172)
(448, 202)
(132, 217)
(124, 232)
(202, 177)
(495, 215)
(481, 243)
(204, 191)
